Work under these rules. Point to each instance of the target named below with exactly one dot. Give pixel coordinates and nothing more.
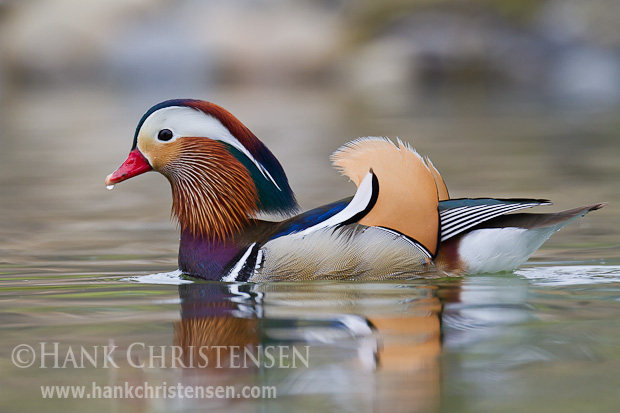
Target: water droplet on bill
(110, 187)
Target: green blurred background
(509, 98)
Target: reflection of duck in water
(211, 317)
(373, 342)
(400, 222)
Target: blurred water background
(508, 98)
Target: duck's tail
(505, 242)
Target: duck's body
(400, 223)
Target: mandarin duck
(400, 223)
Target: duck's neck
(205, 258)
(216, 193)
(213, 209)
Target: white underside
(351, 252)
(493, 250)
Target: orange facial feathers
(408, 195)
(212, 192)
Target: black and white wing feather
(459, 215)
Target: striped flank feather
(458, 215)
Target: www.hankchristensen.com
(164, 391)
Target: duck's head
(221, 174)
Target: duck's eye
(164, 135)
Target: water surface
(76, 264)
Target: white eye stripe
(188, 122)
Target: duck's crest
(274, 192)
(408, 194)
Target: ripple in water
(169, 278)
(572, 274)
